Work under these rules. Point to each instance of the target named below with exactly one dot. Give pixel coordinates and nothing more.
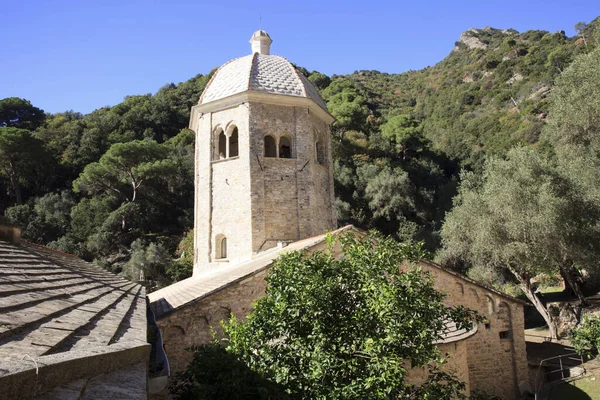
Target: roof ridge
(49, 248)
(252, 69)
(473, 281)
(297, 73)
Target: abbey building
(264, 185)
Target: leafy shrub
(585, 337)
(215, 373)
(336, 328)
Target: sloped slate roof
(187, 291)
(191, 290)
(453, 334)
(52, 303)
(259, 73)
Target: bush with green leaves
(344, 327)
(217, 374)
(585, 337)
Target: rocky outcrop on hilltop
(469, 39)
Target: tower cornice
(265, 98)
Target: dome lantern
(261, 42)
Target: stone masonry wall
(222, 204)
(457, 363)
(497, 359)
(327, 217)
(192, 325)
(493, 360)
(301, 184)
(281, 199)
(231, 208)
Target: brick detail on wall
(497, 365)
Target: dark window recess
(222, 146)
(488, 325)
(270, 147)
(320, 153)
(223, 248)
(233, 143)
(504, 334)
(285, 148)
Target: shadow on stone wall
(215, 374)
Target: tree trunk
(15, 184)
(539, 306)
(525, 285)
(573, 281)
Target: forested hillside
(116, 185)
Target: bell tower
(263, 163)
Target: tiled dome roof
(259, 73)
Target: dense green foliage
(397, 169)
(217, 374)
(342, 328)
(573, 130)
(539, 212)
(115, 185)
(585, 337)
(95, 184)
(522, 217)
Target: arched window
(221, 247)
(234, 149)
(270, 147)
(490, 305)
(474, 295)
(222, 149)
(285, 147)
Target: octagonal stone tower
(263, 171)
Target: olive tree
(523, 217)
(573, 128)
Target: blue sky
(85, 54)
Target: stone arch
(221, 247)
(223, 313)
(234, 141)
(285, 147)
(270, 146)
(474, 295)
(173, 332)
(490, 304)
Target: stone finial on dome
(261, 42)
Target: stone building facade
(494, 360)
(264, 185)
(190, 321)
(490, 358)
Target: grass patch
(551, 289)
(583, 389)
